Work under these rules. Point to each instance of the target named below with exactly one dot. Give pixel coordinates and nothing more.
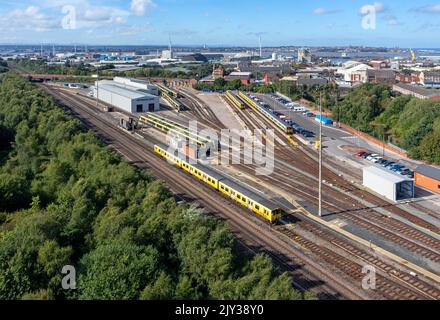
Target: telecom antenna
(41, 50)
(261, 50)
(169, 46)
(53, 50)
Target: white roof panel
(128, 93)
(385, 174)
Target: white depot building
(130, 95)
(392, 186)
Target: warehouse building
(427, 177)
(124, 98)
(388, 184)
(136, 84)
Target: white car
(376, 160)
(372, 156)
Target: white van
(299, 108)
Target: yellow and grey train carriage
(259, 205)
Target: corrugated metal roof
(123, 91)
(429, 172)
(386, 174)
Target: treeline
(410, 123)
(3, 66)
(330, 93)
(66, 199)
(39, 66)
(221, 84)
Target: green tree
(116, 271)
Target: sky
(397, 23)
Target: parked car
(410, 174)
(385, 163)
(310, 114)
(397, 168)
(372, 156)
(365, 155)
(360, 154)
(308, 134)
(376, 159)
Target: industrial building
(430, 79)
(391, 185)
(304, 56)
(427, 177)
(125, 97)
(354, 72)
(416, 91)
(139, 85)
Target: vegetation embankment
(410, 123)
(66, 199)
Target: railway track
(351, 208)
(391, 230)
(256, 233)
(151, 160)
(200, 109)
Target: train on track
(169, 126)
(233, 99)
(174, 102)
(266, 112)
(245, 197)
(168, 91)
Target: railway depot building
(427, 177)
(388, 184)
(133, 99)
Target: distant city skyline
(221, 23)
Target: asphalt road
(307, 123)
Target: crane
(413, 56)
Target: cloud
(182, 33)
(30, 18)
(133, 30)
(378, 7)
(392, 20)
(428, 9)
(322, 10)
(140, 7)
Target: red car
(360, 154)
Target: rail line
(364, 217)
(387, 283)
(253, 231)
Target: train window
(257, 207)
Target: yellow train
(176, 104)
(259, 205)
(266, 113)
(234, 100)
(167, 126)
(169, 91)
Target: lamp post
(320, 156)
(97, 89)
